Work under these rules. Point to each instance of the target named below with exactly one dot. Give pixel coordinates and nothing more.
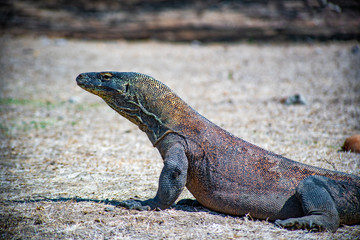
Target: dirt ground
(67, 158)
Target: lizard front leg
(171, 183)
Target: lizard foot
(135, 205)
(312, 223)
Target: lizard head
(130, 94)
(104, 84)
(141, 99)
(115, 88)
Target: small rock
(74, 100)
(355, 49)
(109, 209)
(352, 144)
(295, 99)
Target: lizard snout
(81, 78)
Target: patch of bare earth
(67, 158)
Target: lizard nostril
(80, 78)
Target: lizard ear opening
(126, 87)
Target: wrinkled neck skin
(146, 120)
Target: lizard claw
(301, 223)
(134, 205)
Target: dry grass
(66, 157)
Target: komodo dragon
(223, 172)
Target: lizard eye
(106, 76)
(126, 87)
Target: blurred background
(202, 20)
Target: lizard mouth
(101, 91)
(80, 80)
(88, 86)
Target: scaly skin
(224, 173)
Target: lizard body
(223, 172)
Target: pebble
(295, 99)
(109, 209)
(74, 99)
(355, 49)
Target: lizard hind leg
(320, 213)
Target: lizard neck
(166, 113)
(146, 120)
(158, 111)
(163, 112)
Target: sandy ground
(66, 157)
